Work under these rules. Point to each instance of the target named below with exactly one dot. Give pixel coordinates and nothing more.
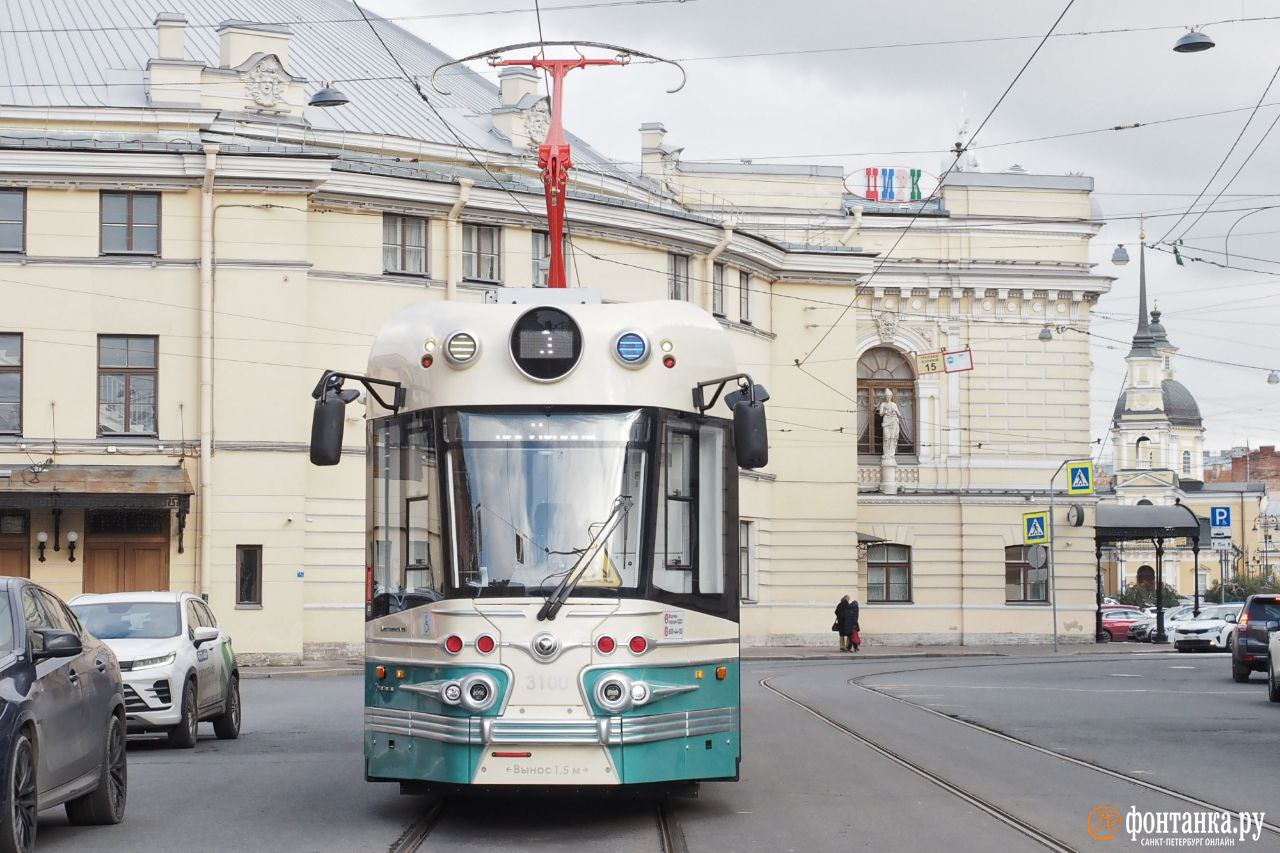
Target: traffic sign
(1220, 544)
(1080, 478)
(1037, 556)
(928, 362)
(1219, 516)
(1035, 528)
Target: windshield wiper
(561, 593)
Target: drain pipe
(206, 363)
(708, 265)
(453, 239)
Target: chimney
(516, 81)
(651, 151)
(171, 36)
(239, 40)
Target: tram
(552, 579)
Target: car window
(206, 615)
(32, 611)
(193, 618)
(122, 620)
(53, 609)
(1264, 611)
(7, 643)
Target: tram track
(1002, 815)
(1172, 793)
(670, 831)
(416, 833)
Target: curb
(299, 672)
(859, 656)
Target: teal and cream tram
(551, 589)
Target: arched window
(879, 370)
(889, 573)
(1146, 577)
(1186, 462)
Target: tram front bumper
(695, 744)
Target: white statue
(890, 424)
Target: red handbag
(857, 638)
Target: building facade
(187, 245)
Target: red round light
(668, 360)
(453, 644)
(427, 360)
(485, 644)
(605, 645)
(638, 644)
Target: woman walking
(849, 628)
(842, 610)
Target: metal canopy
(1143, 523)
(99, 487)
(868, 539)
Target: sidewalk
(335, 668)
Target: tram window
(711, 509)
(404, 518)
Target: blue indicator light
(632, 348)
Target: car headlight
(147, 663)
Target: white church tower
(1157, 431)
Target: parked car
(62, 720)
(1116, 622)
(1273, 661)
(179, 667)
(1143, 631)
(1249, 654)
(1209, 632)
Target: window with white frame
(678, 277)
(746, 560)
(744, 296)
(481, 245)
(1021, 581)
(889, 573)
(717, 290)
(13, 215)
(404, 244)
(541, 258)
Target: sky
(852, 82)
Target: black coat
(849, 621)
(841, 609)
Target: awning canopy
(98, 487)
(1141, 523)
(868, 539)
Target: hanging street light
(1273, 378)
(1046, 334)
(328, 96)
(1193, 42)
(1120, 256)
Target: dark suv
(62, 720)
(1249, 654)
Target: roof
(1117, 523)
(94, 53)
(1179, 406)
(1019, 180)
(158, 595)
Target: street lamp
(1046, 334)
(1120, 256)
(328, 96)
(1273, 378)
(1193, 42)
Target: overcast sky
(845, 105)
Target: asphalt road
(293, 781)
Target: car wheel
(183, 735)
(1273, 687)
(19, 821)
(1239, 674)
(227, 725)
(1231, 643)
(1104, 636)
(105, 804)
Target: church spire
(1144, 344)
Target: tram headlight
(461, 348)
(452, 693)
(479, 692)
(613, 692)
(640, 693)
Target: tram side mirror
(750, 430)
(327, 423)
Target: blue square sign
(1219, 516)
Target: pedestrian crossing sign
(1035, 528)
(1080, 478)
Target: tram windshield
(532, 492)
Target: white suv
(177, 664)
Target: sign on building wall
(1079, 478)
(1035, 528)
(955, 361)
(890, 184)
(928, 362)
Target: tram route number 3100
(547, 682)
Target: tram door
(15, 545)
(126, 551)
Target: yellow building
(185, 245)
